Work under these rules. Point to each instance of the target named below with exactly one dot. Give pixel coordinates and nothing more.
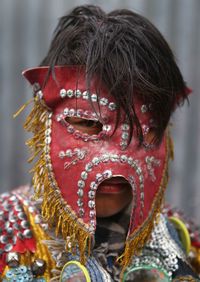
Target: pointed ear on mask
(180, 99)
(48, 84)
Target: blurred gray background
(26, 28)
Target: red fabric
(72, 77)
(8, 209)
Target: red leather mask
(78, 162)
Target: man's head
(128, 54)
(109, 85)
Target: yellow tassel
(171, 148)
(194, 258)
(58, 226)
(23, 107)
(171, 143)
(41, 249)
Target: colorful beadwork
(21, 273)
(161, 251)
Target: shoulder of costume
(189, 234)
(167, 249)
(21, 235)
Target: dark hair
(128, 54)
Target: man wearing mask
(103, 97)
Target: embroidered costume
(32, 252)
(97, 133)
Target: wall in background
(26, 27)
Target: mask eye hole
(149, 139)
(89, 126)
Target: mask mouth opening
(113, 195)
(113, 214)
(114, 185)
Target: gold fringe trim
(42, 251)
(194, 258)
(171, 148)
(22, 108)
(54, 213)
(138, 239)
(55, 210)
